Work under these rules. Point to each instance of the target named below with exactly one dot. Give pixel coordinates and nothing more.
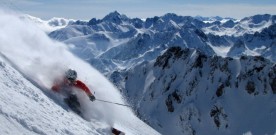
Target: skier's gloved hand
(92, 98)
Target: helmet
(71, 74)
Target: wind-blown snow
(48, 25)
(25, 109)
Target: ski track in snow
(26, 109)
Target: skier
(67, 87)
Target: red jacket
(77, 84)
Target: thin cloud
(224, 10)
(87, 9)
(25, 2)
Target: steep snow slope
(28, 109)
(25, 109)
(187, 92)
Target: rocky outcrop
(181, 78)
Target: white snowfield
(28, 107)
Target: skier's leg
(73, 103)
(116, 131)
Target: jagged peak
(239, 44)
(177, 52)
(212, 18)
(176, 18)
(115, 13)
(215, 18)
(93, 21)
(229, 24)
(257, 18)
(170, 15)
(271, 29)
(197, 57)
(115, 17)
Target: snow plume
(43, 60)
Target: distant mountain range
(117, 41)
(183, 74)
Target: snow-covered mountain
(48, 25)
(248, 25)
(261, 43)
(187, 92)
(180, 90)
(118, 42)
(29, 63)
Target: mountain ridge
(193, 91)
(116, 39)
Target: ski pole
(112, 103)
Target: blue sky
(87, 9)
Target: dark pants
(73, 103)
(117, 132)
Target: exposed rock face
(190, 88)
